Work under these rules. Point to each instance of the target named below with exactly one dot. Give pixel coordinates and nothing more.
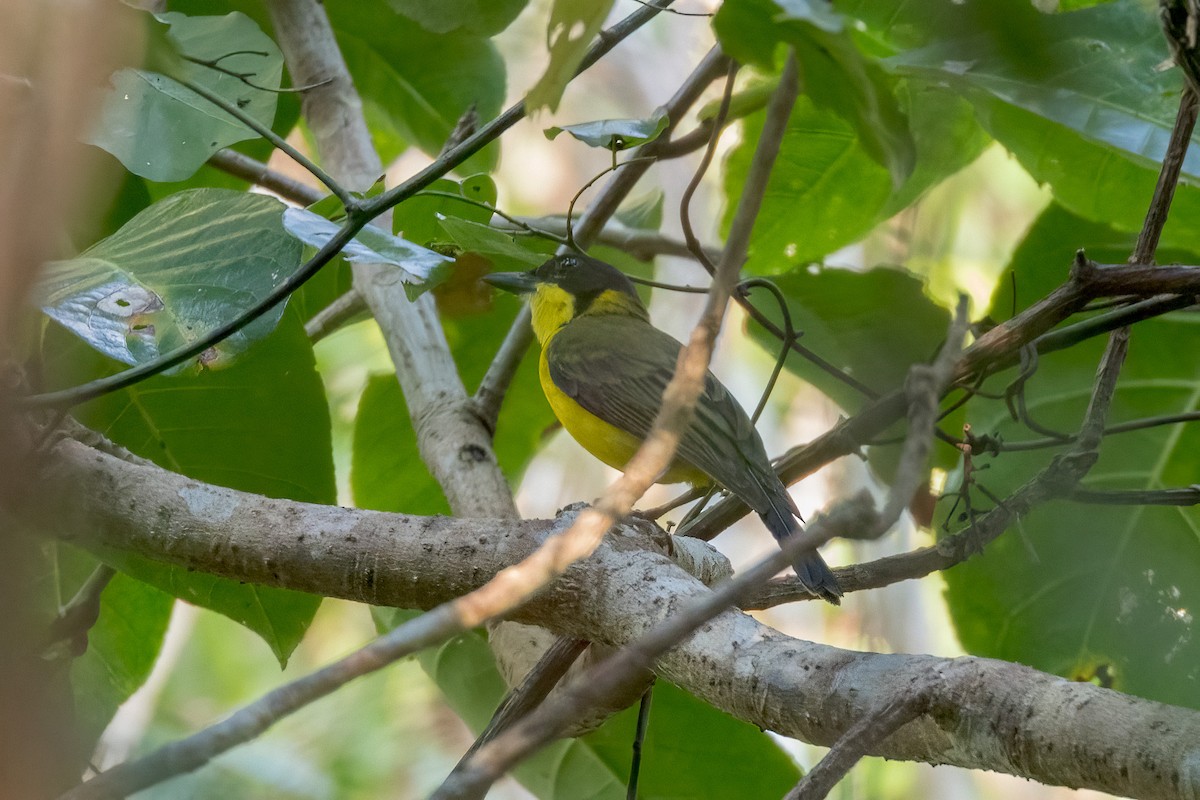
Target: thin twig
(685, 201)
(77, 617)
(857, 742)
(244, 77)
(1189, 496)
(532, 690)
(639, 739)
(641, 244)
(1121, 427)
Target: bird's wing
(617, 368)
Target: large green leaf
(163, 131)
(180, 268)
(948, 137)
(390, 59)
(1093, 592)
(1077, 97)
(1091, 71)
(261, 425)
(1092, 180)
(833, 72)
(826, 192)
(287, 114)
(873, 325)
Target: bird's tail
(811, 569)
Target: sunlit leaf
(573, 25)
(416, 266)
(833, 72)
(824, 193)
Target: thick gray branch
(983, 714)
(453, 442)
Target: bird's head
(570, 286)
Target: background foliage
(899, 103)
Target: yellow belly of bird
(605, 441)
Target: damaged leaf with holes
(176, 271)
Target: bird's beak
(515, 282)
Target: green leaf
(873, 325)
(387, 473)
(174, 272)
(287, 113)
(824, 193)
(1071, 165)
(615, 134)
(1100, 593)
(477, 238)
(262, 426)
(163, 131)
(694, 750)
(1091, 71)
(407, 100)
(418, 219)
(947, 135)
(573, 26)
(480, 17)
(834, 73)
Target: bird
(604, 367)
